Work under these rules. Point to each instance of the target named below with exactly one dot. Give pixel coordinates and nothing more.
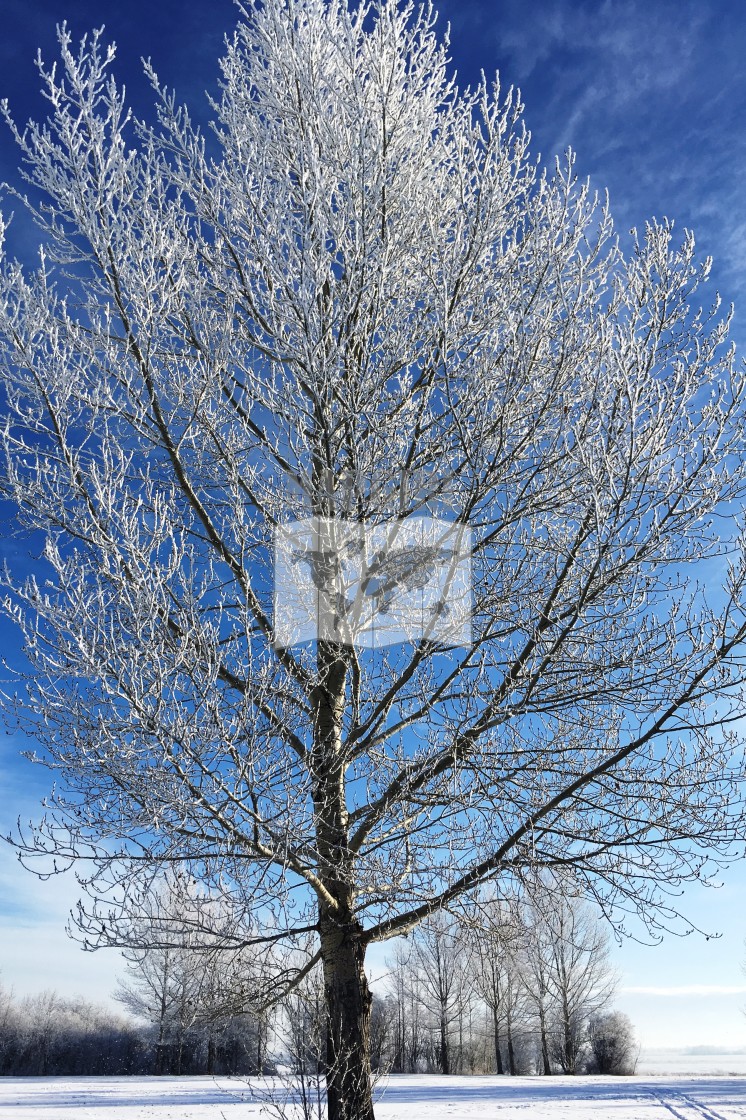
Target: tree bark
(568, 1040)
(511, 1049)
(348, 1005)
(544, 1045)
(445, 1064)
(348, 997)
(260, 1045)
(496, 1031)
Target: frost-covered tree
(409, 1037)
(566, 971)
(355, 303)
(183, 986)
(441, 962)
(46, 1034)
(612, 1044)
(499, 941)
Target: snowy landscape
(400, 1098)
(373, 582)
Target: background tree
(612, 1044)
(383, 1020)
(537, 964)
(161, 988)
(359, 301)
(440, 958)
(44, 1034)
(498, 941)
(8, 1026)
(565, 970)
(581, 980)
(535, 954)
(184, 988)
(407, 1012)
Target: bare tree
(156, 990)
(498, 939)
(8, 1025)
(355, 304)
(581, 981)
(439, 958)
(407, 1013)
(46, 1034)
(566, 971)
(181, 985)
(383, 1021)
(535, 954)
(306, 1050)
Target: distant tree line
(520, 987)
(46, 1035)
(186, 1017)
(512, 987)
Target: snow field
(401, 1098)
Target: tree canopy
(359, 302)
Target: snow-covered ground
(704, 1061)
(403, 1098)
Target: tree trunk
(414, 1053)
(511, 1049)
(260, 1045)
(544, 1045)
(569, 1042)
(445, 1064)
(160, 1049)
(348, 998)
(496, 1032)
(348, 1005)
(397, 1065)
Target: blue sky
(652, 97)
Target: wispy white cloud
(645, 47)
(650, 96)
(603, 66)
